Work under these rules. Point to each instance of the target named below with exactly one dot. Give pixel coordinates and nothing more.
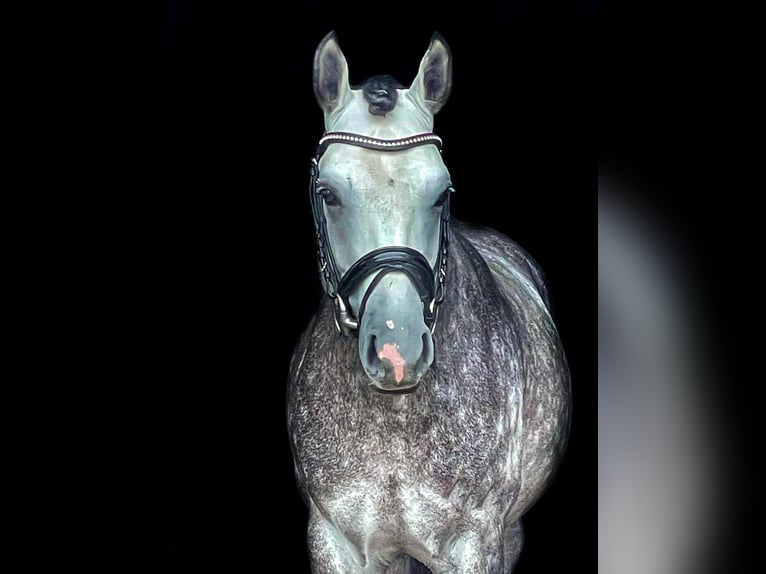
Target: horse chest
(405, 490)
(401, 455)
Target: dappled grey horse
(428, 400)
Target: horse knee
(330, 551)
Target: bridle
(428, 282)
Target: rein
(428, 281)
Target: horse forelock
(381, 107)
(381, 94)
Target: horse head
(382, 218)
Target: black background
(234, 275)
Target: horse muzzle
(394, 358)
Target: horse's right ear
(330, 74)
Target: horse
(428, 400)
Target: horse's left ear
(434, 80)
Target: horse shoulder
(546, 375)
(296, 363)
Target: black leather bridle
(428, 281)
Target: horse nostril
(428, 348)
(426, 354)
(374, 366)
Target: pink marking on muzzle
(390, 352)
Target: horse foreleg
(331, 552)
(477, 553)
(514, 541)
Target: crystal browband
(379, 144)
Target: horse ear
(330, 74)
(434, 80)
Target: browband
(378, 144)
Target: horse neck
(472, 295)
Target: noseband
(428, 281)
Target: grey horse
(425, 419)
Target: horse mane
(380, 93)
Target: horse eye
(329, 197)
(443, 196)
